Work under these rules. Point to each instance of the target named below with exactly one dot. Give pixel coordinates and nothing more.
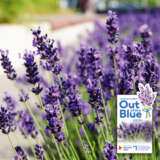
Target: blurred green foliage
(141, 2)
(11, 10)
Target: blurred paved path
(17, 38)
(64, 20)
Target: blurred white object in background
(63, 4)
(100, 5)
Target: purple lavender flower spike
(27, 125)
(72, 97)
(32, 72)
(20, 153)
(7, 66)
(43, 44)
(95, 99)
(53, 114)
(7, 121)
(109, 152)
(39, 151)
(81, 65)
(10, 102)
(47, 51)
(146, 34)
(145, 31)
(112, 27)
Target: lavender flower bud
(7, 121)
(20, 153)
(7, 66)
(43, 44)
(53, 114)
(109, 152)
(10, 102)
(112, 27)
(39, 151)
(23, 97)
(27, 125)
(32, 72)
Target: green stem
(51, 78)
(15, 135)
(90, 145)
(40, 102)
(11, 143)
(104, 106)
(59, 79)
(81, 141)
(57, 147)
(30, 111)
(102, 131)
(64, 122)
(66, 151)
(30, 143)
(73, 150)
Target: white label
(134, 125)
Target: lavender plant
(135, 131)
(76, 117)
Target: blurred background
(21, 10)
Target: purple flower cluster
(32, 73)
(53, 114)
(130, 23)
(72, 98)
(128, 67)
(39, 152)
(7, 66)
(7, 120)
(109, 152)
(21, 155)
(89, 64)
(47, 51)
(26, 124)
(133, 131)
(90, 69)
(146, 34)
(112, 27)
(10, 102)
